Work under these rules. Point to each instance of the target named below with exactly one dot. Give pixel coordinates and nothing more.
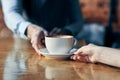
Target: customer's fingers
(74, 57)
(83, 58)
(85, 49)
(79, 51)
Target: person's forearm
(108, 56)
(13, 16)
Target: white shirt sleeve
(13, 16)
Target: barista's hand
(86, 54)
(36, 34)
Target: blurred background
(4, 31)
(94, 11)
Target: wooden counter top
(19, 61)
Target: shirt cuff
(22, 28)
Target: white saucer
(45, 53)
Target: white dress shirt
(17, 22)
(13, 16)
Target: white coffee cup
(59, 44)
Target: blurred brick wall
(93, 11)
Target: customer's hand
(36, 34)
(86, 54)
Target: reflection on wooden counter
(19, 61)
